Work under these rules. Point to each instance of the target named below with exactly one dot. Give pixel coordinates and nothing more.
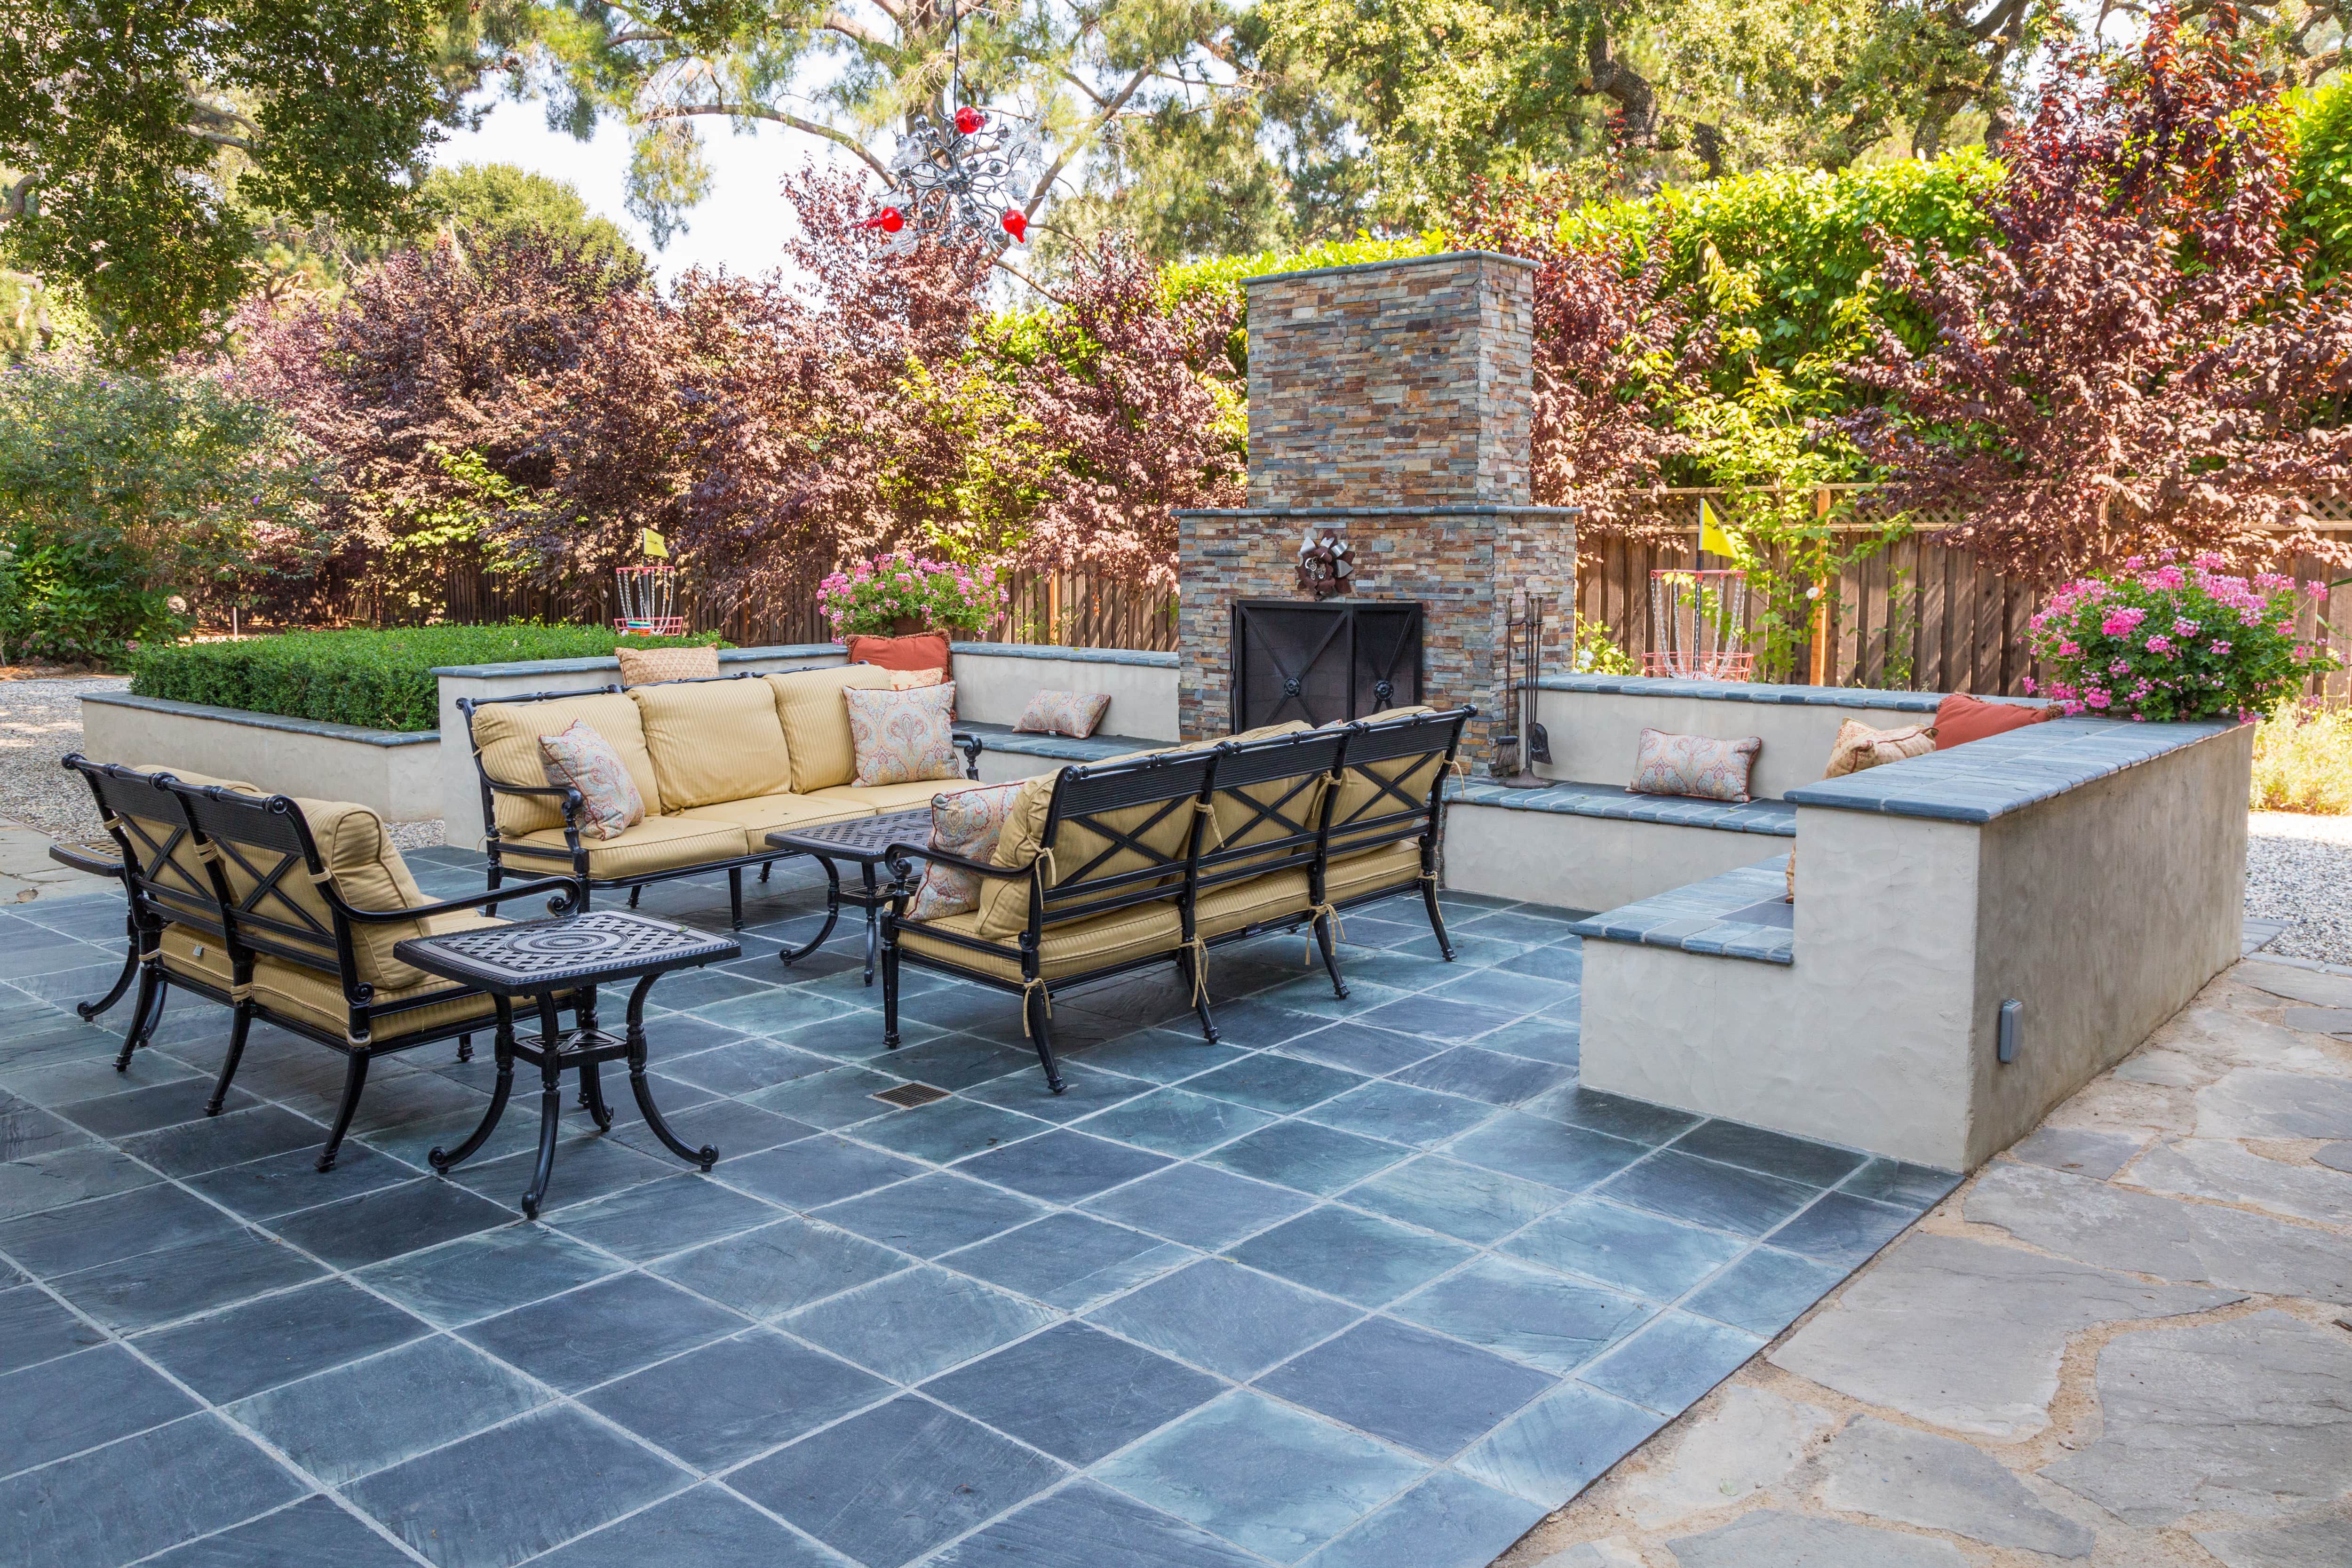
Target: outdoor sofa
(1156, 856)
(286, 911)
(721, 762)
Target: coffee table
(540, 960)
(861, 841)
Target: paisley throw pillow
(1694, 765)
(586, 760)
(1071, 713)
(901, 737)
(1858, 746)
(916, 679)
(966, 823)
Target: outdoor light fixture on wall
(2011, 1031)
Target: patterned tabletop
(859, 840)
(540, 955)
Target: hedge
(379, 681)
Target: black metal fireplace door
(1323, 661)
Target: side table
(541, 961)
(862, 841)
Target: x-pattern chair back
(1268, 805)
(1393, 777)
(144, 818)
(1128, 828)
(267, 875)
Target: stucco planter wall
(396, 773)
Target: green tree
(150, 139)
(126, 500)
(2321, 214)
(492, 204)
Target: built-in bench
(1740, 915)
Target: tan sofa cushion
(657, 844)
(1004, 901)
(713, 740)
(816, 721)
(1366, 870)
(507, 735)
(762, 815)
(1113, 938)
(316, 998)
(1360, 797)
(1263, 898)
(914, 796)
(189, 951)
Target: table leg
(592, 1078)
(551, 1104)
(832, 914)
(706, 1156)
(502, 1048)
(873, 921)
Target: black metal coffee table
(861, 841)
(542, 960)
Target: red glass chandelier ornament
(962, 179)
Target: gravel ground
(40, 721)
(2299, 869)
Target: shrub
(379, 681)
(872, 596)
(2303, 760)
(2172, 642)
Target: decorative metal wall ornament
(959, 181)
(1325, 563)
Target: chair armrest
(898, 852)
(81, 857)
(572, 803)
(970, 745)
(574, 890)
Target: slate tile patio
(1370, 1283)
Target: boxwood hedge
(378, 679)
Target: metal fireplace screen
(1335, 660)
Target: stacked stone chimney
(1390, 401)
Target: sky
(741, 225)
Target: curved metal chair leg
(91, 1010)
(1041, 1026)
(241, 1026)
(1331, 958)
(1437, 920)
(354, 1079)
(144, 1011)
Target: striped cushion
(507, 735)
(816, 721)
(714, 741)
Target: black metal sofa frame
(1194, 780)
(574, 857)
(267, 838)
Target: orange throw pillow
(1960, 718)
(925, 650)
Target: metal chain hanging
(961, 180)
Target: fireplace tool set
(1526, 744)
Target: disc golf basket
(649, 602)
(1698, 625)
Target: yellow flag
(657, 545)
(1711, 538)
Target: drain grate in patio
(907, 1095)
(1369, 1283)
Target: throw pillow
(965, 823)
(586, 760)
(1858, 746)
(645, 665)
(1071, 713)
(1695, 765)
(916, 679)
(1961, 719)
(900, 737)
(924, 650)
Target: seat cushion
(1247, 902)
(913, 796)
(657, 844)
(188, 951)
(757, 817)
(1075, 947)
(316, 998)
(506, 736)
(816, 721)
(713, 741)
(1369, 870)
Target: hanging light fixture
(960, 180)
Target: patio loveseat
(721, 762)
(1154, 858)
(285, 912)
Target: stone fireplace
(1390, 403)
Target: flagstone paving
(2124, 1342)
(1371, 1283)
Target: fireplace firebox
(1323, 661)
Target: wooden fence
(1916, 616)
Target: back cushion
(507, 735)
(714, 741)
(182, 877)
(368, 872)
(816, 721)
(645, 665)
(1361, 798)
